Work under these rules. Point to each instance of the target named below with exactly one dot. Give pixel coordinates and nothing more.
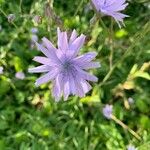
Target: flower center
(66, 65)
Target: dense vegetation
(29, 116)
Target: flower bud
(11, 17)
(37, 19)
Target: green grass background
(30, 119)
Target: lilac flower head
(1, 70)
(111, 8)
(34, 30)
(20, 75)
(131, 147)
(64, 67)
(107, 111)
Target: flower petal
(39, 69)
(46, 78)
(43, 60)
(87, 57)
(62, 40)
(90, 65)
(52, 50)
(79, 88)
(66, 89)
(73, 36)
(86, 76)
(76, 45)
(45, 51)
(86, 86)
(58, 87)
(48, 44)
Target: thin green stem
(78, 8)
(20, 6)
(50, 7)
(137, 37)
(98, 15)
(111, 45)
(126, 127)
(6, 17)
(103, 24)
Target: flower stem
(78, 8)
(98, 15)
(137, 37)
(111, 45)
(125, 127)
(6, 17)
(20, 6)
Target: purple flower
(64, 67)
(1, 70)
(34, 30)
(111, 8)
(131, 147)
(107, 111)
(34, 38)
(20, 75)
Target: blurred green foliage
(29, 117)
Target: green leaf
(134, 69)
(3, 124)
(2, 145)
(18, 63)
(4, 87)
(90, 99)
(141, 74)
(142, 106)
(121, 33)
(145, 121)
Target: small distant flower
(64, 67)
(34, 30)
(37, 19)
(11, 17)
(111, 8)
(1, 70)
(131, 147)
(34, 38)
(20, 75)
(0, 27)
(130, 100)
(107, 111)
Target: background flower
(20, 75)
(107, 111)
(34, 30)
(131, 147)
(29, 117)
(1, 70)
(111, 8)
